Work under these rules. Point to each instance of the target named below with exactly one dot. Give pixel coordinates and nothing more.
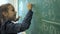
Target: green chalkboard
(46, 16)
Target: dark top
(11, 28)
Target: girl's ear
(4, 14)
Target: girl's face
(11, 13)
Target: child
(8, 14)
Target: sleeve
(19, 27)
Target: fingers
(29, 5)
